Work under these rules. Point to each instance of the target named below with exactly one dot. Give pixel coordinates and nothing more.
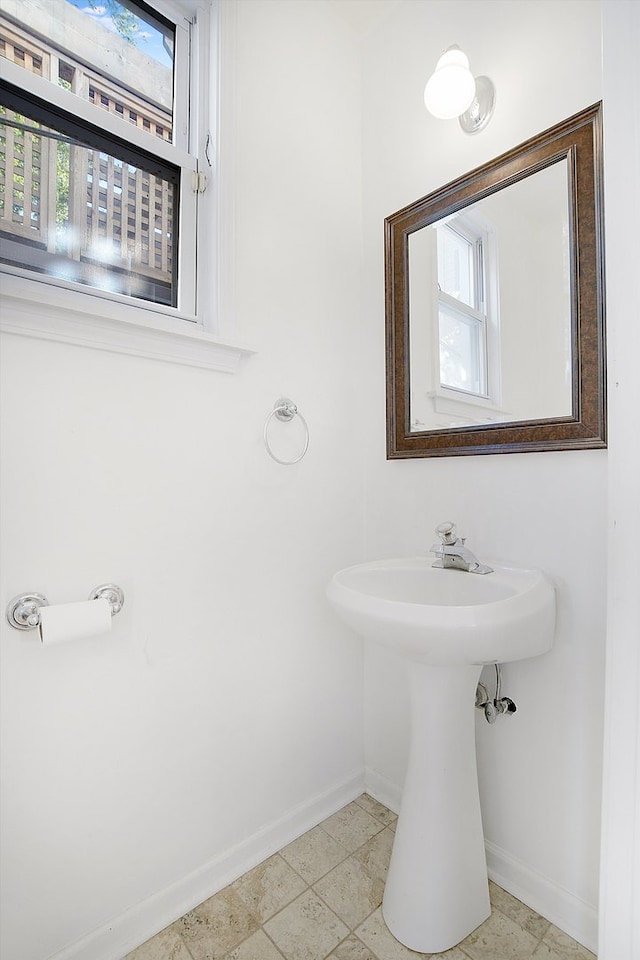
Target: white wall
(540, 770)
(535, 328)
(620, 874)
(224, 713)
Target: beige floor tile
(346, 860)
(499, 937)
(376, 853)
(256, 947)
(351, 891)
(352, 949)
(352, 826)
(216, 926)
(167, 945)
(269, 887)
(314, 854)
(375, 934)
(566, 948)
(523, 915)
(306, 929)
(544, 952)
(376, 809)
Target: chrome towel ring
(285, 410)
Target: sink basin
(445, 624)
(447, 616)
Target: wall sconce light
(452, 91)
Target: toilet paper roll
(74, 621)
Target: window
(455, 350)
(462, 311)
(99, 148)
(467, 381)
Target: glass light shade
(451, 88)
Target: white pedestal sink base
(444, 623)
(437, 889)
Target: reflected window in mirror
(456, 370)
(462, 317)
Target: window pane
(71, 208)
(461, 352)
(115, 53)
(455, 265)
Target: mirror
(495, 304)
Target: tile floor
(320, 898)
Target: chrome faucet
(452, 553)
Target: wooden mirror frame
(579, 141)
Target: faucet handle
(447, 531)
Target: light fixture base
(477, 116)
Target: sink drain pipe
(493, 708)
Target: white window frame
(201, 330)
(484, 406)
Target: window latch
(198, 182)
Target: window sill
(49, 312)
(467, 407)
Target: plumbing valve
(493, 708)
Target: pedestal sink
(446, 624)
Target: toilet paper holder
(23, 612)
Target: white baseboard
(568, 912)
(117, 938)
(382, 789)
